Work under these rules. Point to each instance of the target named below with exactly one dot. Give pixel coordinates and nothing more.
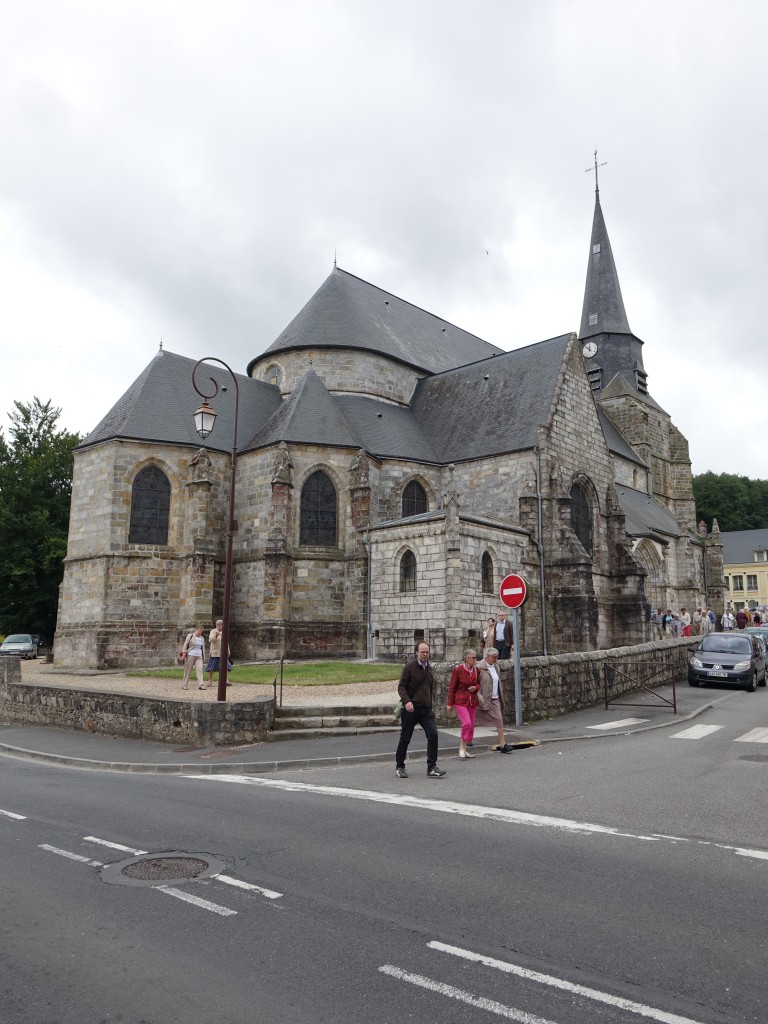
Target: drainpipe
(704, 562)
(368, 638)
(537, 471)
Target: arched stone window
(408, 571)
(581, 517)
(487, 573)
(414, 499)
(150, 507)
(318, 511)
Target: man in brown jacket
(416, 689)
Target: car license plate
(720, 675)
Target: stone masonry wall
(351, 371)
(563, 683)
(133, 717)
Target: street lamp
(205, 419)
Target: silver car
(21, 645)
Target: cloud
(190, 170)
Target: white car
(21, 645)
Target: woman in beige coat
(491, 710)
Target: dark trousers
(504, 652)
(425, 717)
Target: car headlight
(741, 666)
(695, 663)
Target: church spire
(603, 311)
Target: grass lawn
(304, 673)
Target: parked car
(757, 631)
(38, 640)
(728, 658)
(19, 644)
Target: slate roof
(309, 415)
(602, 294)
(347, 312)
(644, 515)
(740, 545)
(621, 385)
(617, 443)
(490, 407)
(159, 405)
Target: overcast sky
(187, 170)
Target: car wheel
(752, 684)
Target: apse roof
(160, 403)
(347, 312)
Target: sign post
(513, 592)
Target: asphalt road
(611, 881)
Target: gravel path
(350, 694)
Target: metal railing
(655, 678)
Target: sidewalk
(89, 750)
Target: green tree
(737, 502)
(35, 491)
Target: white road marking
(501, 814)
(269, 893)
(753, 736)
(463, 997)
(757, 854)
(442, 806)
(566, 986)
(16, 817)
(695, 732)
(71, 856)
(195, 900)
(113, 846)
(619, 725)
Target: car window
(726, 642)
(19, 638)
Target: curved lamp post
(205, 419)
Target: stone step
(310, 711)
(316, 734)
(347, 721)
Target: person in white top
(490, 712)
(192, 653)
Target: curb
(299, 764)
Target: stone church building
(391, 470)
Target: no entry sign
(513, 591)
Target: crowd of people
(702, 621)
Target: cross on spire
(588, 169)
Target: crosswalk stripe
(695, 732)
(619, 725)
(753, 736)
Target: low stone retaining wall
(130, 716)
(551, 686)
(555, 685)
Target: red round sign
(513, 591)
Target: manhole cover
(156, 869)
(175, 866)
